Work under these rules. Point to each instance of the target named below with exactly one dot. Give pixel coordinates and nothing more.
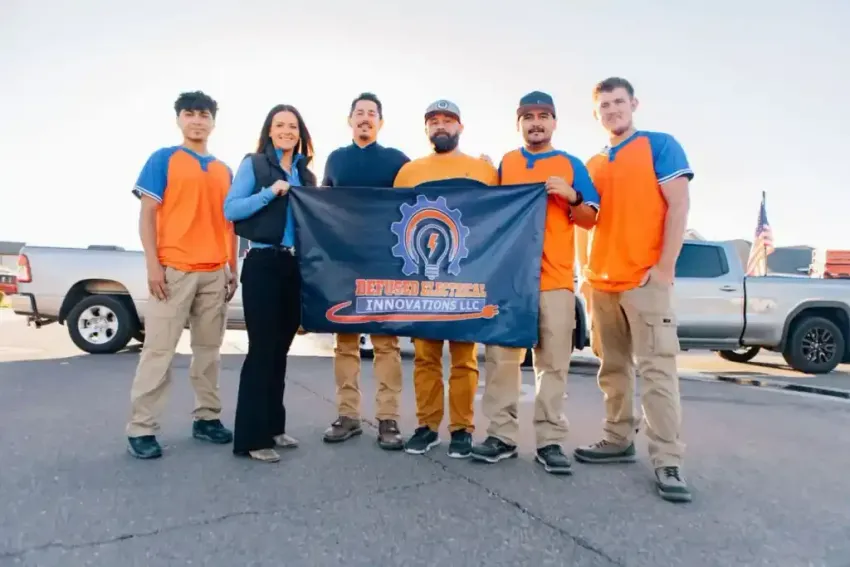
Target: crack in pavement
(205, 522)
(578, 540)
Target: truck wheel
(100, 324)
(816, 346)
(744, 354)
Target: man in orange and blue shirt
(447, 166)
(572, 201)
(643, 182)
(188, 246)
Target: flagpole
(764, 240)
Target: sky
(752, 90)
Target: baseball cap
(442, 107)
(538, 100)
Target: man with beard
(365, 163)
(448, 166)
(188, 246)
(572, 201)
(643, 180)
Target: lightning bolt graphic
(432, 243)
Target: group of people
(621, 216)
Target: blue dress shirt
(242, 202)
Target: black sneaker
(554, 460)
(211, 430)
(493, 450)
(461, 444)
(422, 441)
(671, 484)
(144, 447)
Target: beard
(444, 143)
(538, 141)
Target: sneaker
(265, 455)
(389, 436)
(554, 460)
(211, 430)
(285, 441)
(342, 429)
(493, 450)
(422, 441)
(671, 484)
(460, 446)
(605, 452)
(144, 447)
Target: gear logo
(430, 234)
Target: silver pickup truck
(99, 293)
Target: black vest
(267, 225)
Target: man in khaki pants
(572, 199)
(188, 245)
(365, 163)
(642, 178)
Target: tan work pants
(387, 369)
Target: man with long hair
(188, 246)
(643, 182)
(365, 163)
(446, 165)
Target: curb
(770, 383)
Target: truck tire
(744, 354)
(815, 346)
(101, 324)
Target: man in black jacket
(365, 163)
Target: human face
(284, 130)
(614, 110)
(444, 132)
(537, 126)
(196, 125)
(365, 121)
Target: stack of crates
(830, 264)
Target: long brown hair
(305, 141)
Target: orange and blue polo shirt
(453, 168)
(629, 230)
(519, 167)
(192, 233)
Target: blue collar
(295, 159)
(531, 159)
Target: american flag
(762, 245)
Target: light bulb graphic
(432, 244)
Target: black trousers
(271, 300)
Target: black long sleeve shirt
(371, 166)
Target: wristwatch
(579, 199)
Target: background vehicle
(8, 283)
(100, 292)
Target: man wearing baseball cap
(446, 165)
(572, 201)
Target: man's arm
(150, 189)
(584, 215)
(674, 174)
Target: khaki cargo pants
(196, 297)
(387, 369)
(640, 325)
(503, 376)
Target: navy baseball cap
(536, 100)
(442, 107)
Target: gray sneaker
(606, 452)
(671, 484)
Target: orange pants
(428, 384)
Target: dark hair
(305, 142)
(370, 97)
(611, 84)
(195, 100)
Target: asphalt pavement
(768, 471)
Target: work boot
(493, 450)
(342, 429)
(211, 430)
(605, 452)
(671, 484)
(389, 436)
(144, 447)
(554, 460)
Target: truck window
(701, 261)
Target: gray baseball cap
(442, 107)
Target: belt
(290, 250)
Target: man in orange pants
(448, 164)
